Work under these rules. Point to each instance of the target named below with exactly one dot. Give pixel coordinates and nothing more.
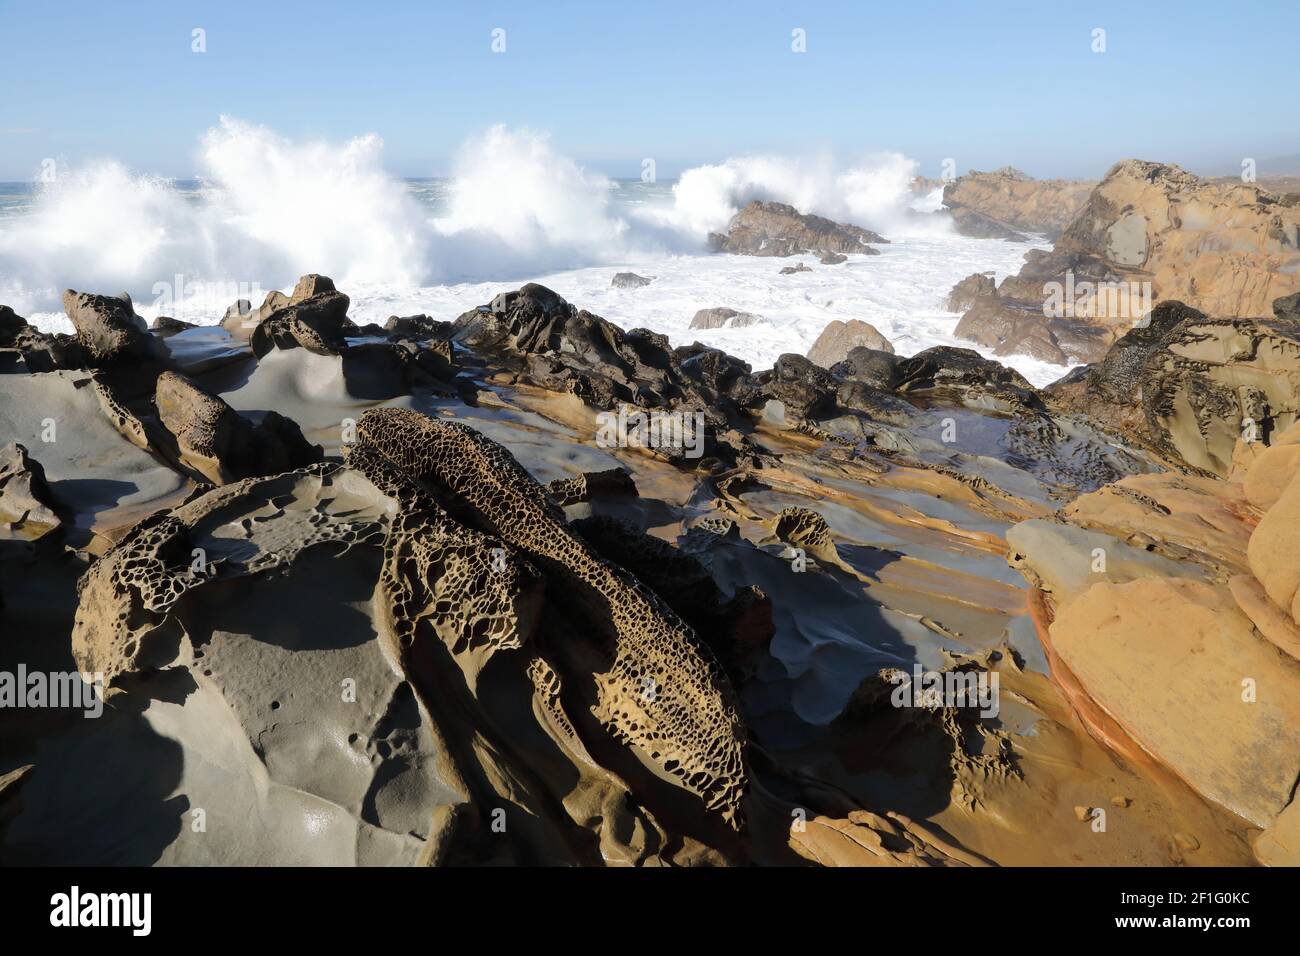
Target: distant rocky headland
(1145, 233)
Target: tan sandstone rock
(1272, 469)
(839, 338)
(1274, 551)
(1279, 845)
(1148, 232)
(1168, 660)
(1017, 201)
(1195, 388)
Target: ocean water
(513, 211)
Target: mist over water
(267, 209)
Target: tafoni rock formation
(522, 587)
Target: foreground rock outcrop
(219, 443)
(26, 507)
(657, 688)
(108, 328)
(437, 593)
(108, 334)
(1169, 618)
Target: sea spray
(269, 209)
(316, 206)
(876, 193)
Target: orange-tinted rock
(1175, 664)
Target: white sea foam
(516, 210)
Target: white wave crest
(271, 209)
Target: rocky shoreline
(523, 587)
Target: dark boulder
(805, 389)
(776, 229)
(165, 326)
(318, 323)
(417, 327)
(870, 366)
(10, 325)
(546, 341)
(1287, 308)
(945, 368)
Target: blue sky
(986, 83)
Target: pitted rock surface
(736, 627)
(122, 619)
(317, 323)
(474, 592)
(662, 691)
(108, 328)
(804, 528)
